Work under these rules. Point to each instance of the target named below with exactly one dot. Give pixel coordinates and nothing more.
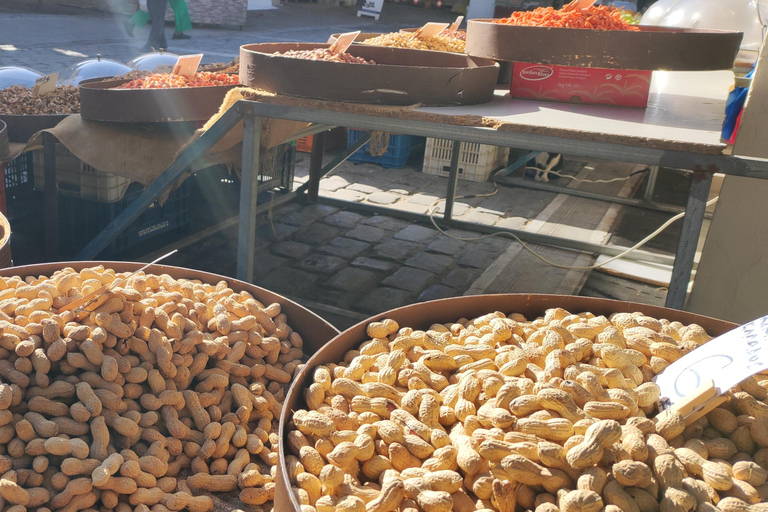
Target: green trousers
(180, 13)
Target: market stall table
(679, 129)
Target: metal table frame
(703, 167)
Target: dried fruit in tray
(458, 34)
(326, 55)
(594, 17)
(18, 100)
(167, 81)
(440, 43)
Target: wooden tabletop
(685, 112)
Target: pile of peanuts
(502, 413)
(438, 43)
(17, 100)
(326, 55)
(167, 391)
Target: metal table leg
(315, 166)
(689, 239)
(249, 190)
(51, 200)
(453, 180)
(653, 173)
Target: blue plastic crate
(80, 220)
(399, 149)
(18, 179)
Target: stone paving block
(299, 219)
(410, 207)
(372, 264)
(458, 208)
(479, 217)
(494, 244)
(425, 199)
(437, 291)
(321, 263)
(416, 233)
(476, 258)
(343, 247)
(333, 183)
(446, 245)
(352, 280)
(384, 198)
(411, 279)
(512, 222)
(265, 262)
(436, 263)
(460, 278)
(383, 299)
(388, 223)
(366, 233)
(345, 194)
(291, 249)
(318, 210)
(397, 250)
(402, 190)
(275, 232)
(316, 234)
(287, 280)
(365, 189)
(344, 219)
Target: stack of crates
(18, 182)
(399, 149)
(476, 161)
(90, 199)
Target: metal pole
(249, 191)
(689, 239)
(315, 166)
(453, 180)
(653, 173)
(51, 200)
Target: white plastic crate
(476, 161)
(75, 178)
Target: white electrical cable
(557, 265)
(574, 178)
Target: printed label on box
(581, 85)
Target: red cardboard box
(625, 87)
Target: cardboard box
(624, 87)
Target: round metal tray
(650, 48)
(100, 101)
(400, 76)
(22, 128)
(422, 315)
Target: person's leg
(157, 10)
(140, 19)
(181, 16)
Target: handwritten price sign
(45, 84)
(726, 360)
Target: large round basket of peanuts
(516, 402)
(135, 391)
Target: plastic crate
(476, 161)
(80, 220)
(399, 149)
(216, 190)
(334, 138)
(18, 179)
(75, 178)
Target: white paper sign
(187, 65)
(727, 360)
(430, 30)
(343, 42)
(45, 84)
(455, 25)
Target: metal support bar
(315, 166)
(689, 239)
(526, 236)
(733, 165)
(453, 180)
(535, 185)
(653, 173)
(178, 168)
(51, 199)
(249, 191)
